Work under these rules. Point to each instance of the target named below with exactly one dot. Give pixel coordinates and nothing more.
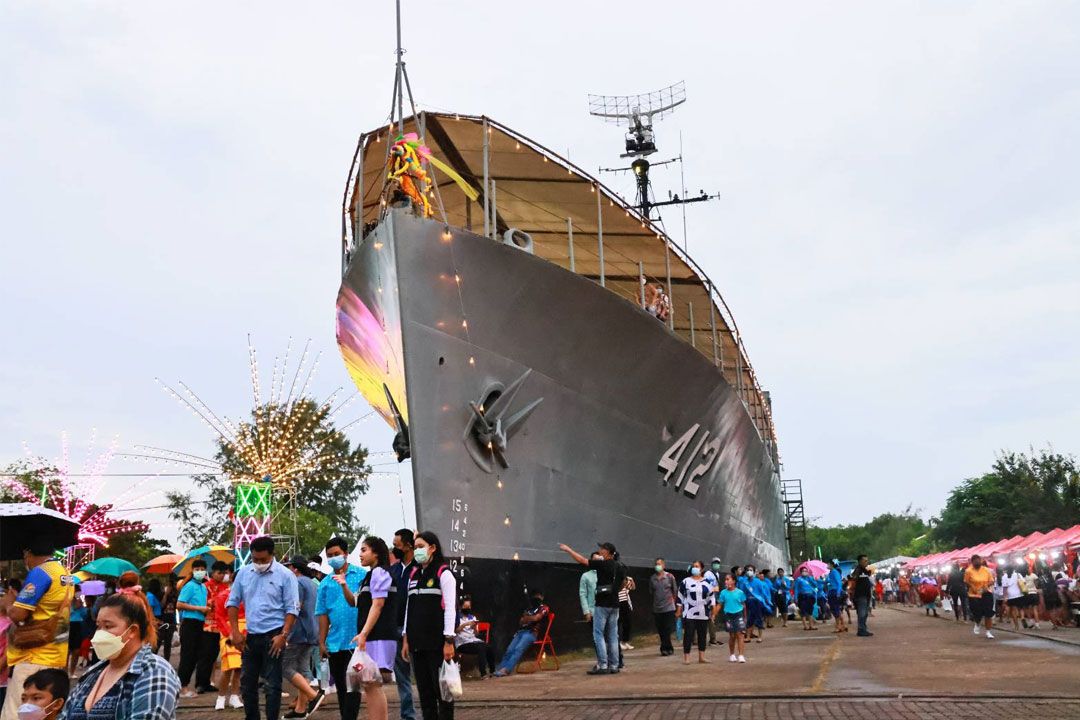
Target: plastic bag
(450, 681)
(946, 604)
(361, 670)
(324, 673)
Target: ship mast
(399, 75)
(638, 112)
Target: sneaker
(989, 635)
(220, 704)
(733, 659)
(742, 658)
(235, 702)
(316, 702)
(614, 671)
(977, 630)
(596, 670)
(628, 647)
(293, 715)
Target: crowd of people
(1022, 592)
(242, 634)
(325, 623)
(743, 602)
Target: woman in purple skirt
(377, 620)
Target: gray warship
(556, 368)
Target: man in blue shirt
(271, 599)
(837, 598)
(335, 609)
(783, 586)
(193, 605)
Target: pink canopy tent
(1071, 537)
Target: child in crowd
(732, 602)
(44, 694)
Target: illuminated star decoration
(75, 494)
(283, 441)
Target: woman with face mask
(430, 612)
(130, 682)
(695, 609)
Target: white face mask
(225, 578)
(107, 645)
(28, 711)
(261, 567)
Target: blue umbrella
(109, 567)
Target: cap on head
(298, 562)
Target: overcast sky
(898, 237)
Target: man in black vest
(399, 571)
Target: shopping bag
(946, 604)
(361, 670)
(450, 681)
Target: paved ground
(914, 667)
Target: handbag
(34, 633)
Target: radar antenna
(637, 112)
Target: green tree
(886, 535)
(30, 476)
(1020, 495)
(297, 443)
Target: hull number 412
(705, 451)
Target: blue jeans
(605, 633)
(256, 662)
(518, 645)
(862, 610)
(403, 675)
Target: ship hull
(636, 440)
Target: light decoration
(251, 516)
(281, 445)
(77, 495)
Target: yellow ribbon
(449, 172)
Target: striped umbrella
(209, 553)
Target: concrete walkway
(911, 662)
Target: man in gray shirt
(663, 589)
(301, 655)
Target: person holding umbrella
(39, 613)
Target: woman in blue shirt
(806, 597)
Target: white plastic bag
(361, 670)
(450, 681)
(946, 604)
